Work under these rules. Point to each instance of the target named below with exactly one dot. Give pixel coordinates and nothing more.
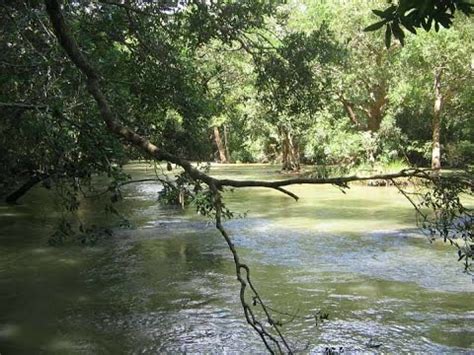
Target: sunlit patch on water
(9, 331)
(404, 256)
(148, 191)
(11, 214)
(41, 250)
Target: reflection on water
(168, 284)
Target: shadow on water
(169, 286)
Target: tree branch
(246, 281)
(286, 192)
(68, 43)
(349, 108)
(340, 181)
(22, 105)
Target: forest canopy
(235, 82)
(335, 88)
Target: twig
(289, 193)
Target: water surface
(168, 284)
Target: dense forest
(298, 83)
(327, 92)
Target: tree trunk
(290, 153)
(226, 145)
(220, 145)
(374, 119)
(375, 106)
(436, 124)
(375, 112)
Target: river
(167, 284)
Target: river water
(167, 284)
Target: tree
(362, 80)
(48, 130)
(293, 82)
(442, 65)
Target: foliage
(293, 79)
(417, 14)
(276, 75)
(66, 233)
(170, 74)
(423, 56)
(262, 70)
(185, 191)
(451, 219)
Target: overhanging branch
(70, 46)
(339, 181)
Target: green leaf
(388, 36)
(375, 26)
(408, 24)
(445, 20)
(424, 24)
(379, 13)
(398, 33)
(390, 11)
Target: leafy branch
(413, 15)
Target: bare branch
(23, 105)
(405, 194)
(340, 181)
